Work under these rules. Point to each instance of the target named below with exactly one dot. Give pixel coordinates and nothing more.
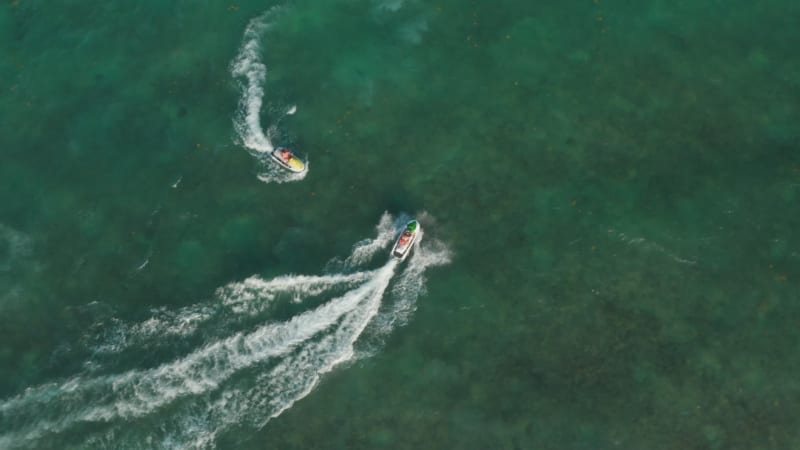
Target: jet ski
(406, 240)
(288, 160)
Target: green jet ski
(406, 240)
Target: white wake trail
(248, 298)
(249, 67)
(253, 403)
(253, 295)
(246, 373)
(137, 393)
(411, 283)
(294, 378)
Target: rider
(286, 155)
(404, 237)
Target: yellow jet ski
(288, 160)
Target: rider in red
(404, 238)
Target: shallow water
(608, 192)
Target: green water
(617, 183)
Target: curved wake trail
(239, 380)
(248, 66)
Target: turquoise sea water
(608, 192)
